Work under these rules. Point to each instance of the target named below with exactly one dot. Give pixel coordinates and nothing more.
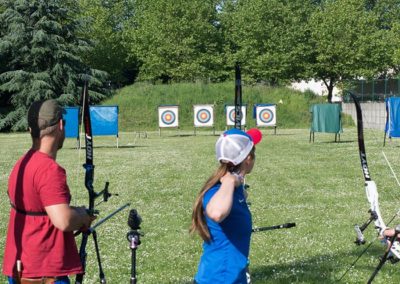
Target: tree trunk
(330, 92)
(329, 87)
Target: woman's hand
(236, 179)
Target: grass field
(317, 185)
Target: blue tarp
(392, 127)
(104, 120)
(71, 117)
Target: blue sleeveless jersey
(224, 258)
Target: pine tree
(41, 49)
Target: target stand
(168, 117)
(203, 116)
(265, 115)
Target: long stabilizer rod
(282, 226)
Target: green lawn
(317, 185)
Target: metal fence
(373, 90)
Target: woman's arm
(219, 206)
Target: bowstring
(391, 169)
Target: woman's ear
(249, 158)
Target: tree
(388, 13)
(42, 55)
(349, 42)
(107, 26)
(177, 40)
(269, 37)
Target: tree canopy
(349, 41)
(46, 46)
(177, 40)
(107, 24)
(42, 55)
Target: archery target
(230, 115)
(203, 115)
(266, 115)
(168, 116)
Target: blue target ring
(266, 115)
(168, 117)
(203, 115)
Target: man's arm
(67, 218)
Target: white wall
(317, 87)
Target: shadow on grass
(191, 135)
(333, 142)
(319, 269)
(180, 135)
(279, 134)
(108, 147)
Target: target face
(266, 115)
(168, 116)
(203, 115)
(230, 115)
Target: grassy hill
(138, 103)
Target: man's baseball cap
(234, 145)
(43, 114)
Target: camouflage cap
(43, 114)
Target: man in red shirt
(40, 245)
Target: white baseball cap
(234, 145)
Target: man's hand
(86, 219)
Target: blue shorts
(60, 280)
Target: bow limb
(373, 199)
(238, 97)
(370, 185)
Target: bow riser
(372, 196)
(89, 147)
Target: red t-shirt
(35, 182)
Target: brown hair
(198, 218)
